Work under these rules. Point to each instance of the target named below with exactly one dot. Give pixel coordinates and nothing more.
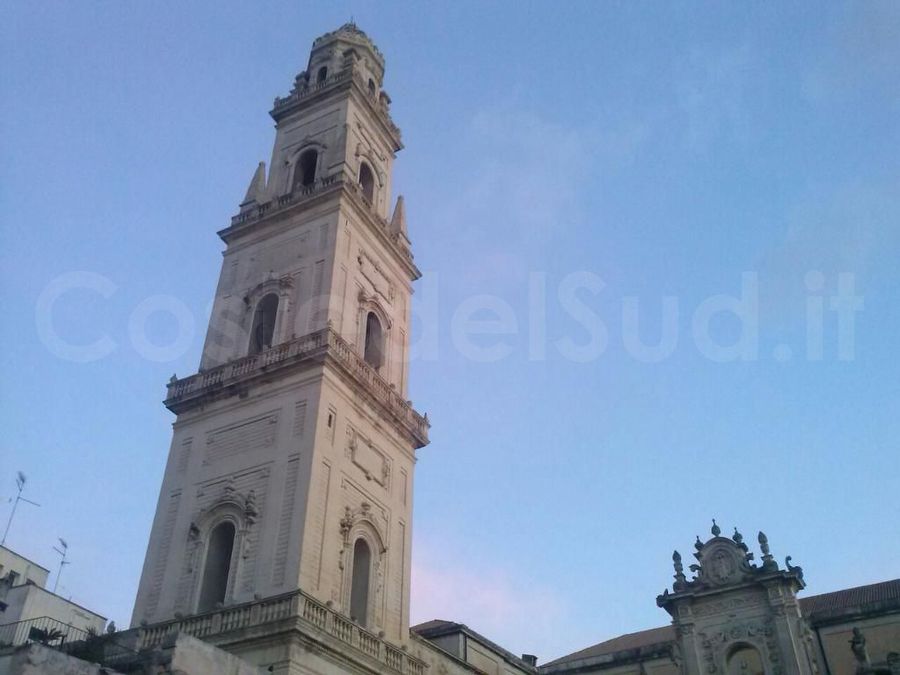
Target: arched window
(217, 567)
(373, 351)
(263, 330)
(305, 169)
(359, 581)
(367, 182)
(372, 86)
(745, 660)
(322, 75)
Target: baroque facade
(282, 534)
(736, 617)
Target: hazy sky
(610, 158)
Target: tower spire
(256, 191)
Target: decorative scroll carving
(373, 463)
(370, 268)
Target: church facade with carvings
(282, 536)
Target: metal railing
(43, 629)
(80, 643)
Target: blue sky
(668, 151)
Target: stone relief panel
(299, 419)
(162, 555)
(371, 270)
(365, 456)
(284, 523)
(184, 455)
(727, 606)
(246, 436)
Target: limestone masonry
(281, 540)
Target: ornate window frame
(370, 303)
(282, 288)
(359, 524)
(293, 161)
(232, 507)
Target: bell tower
(293, 449)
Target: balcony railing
(342, 76)
(325, 342)
(78, 642)
(307, 611)
(44, 630)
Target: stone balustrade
(182, 393)
(304, 193)
(305, 610)
(296, 96)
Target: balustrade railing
(297, 605)
(327, 341)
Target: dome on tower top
(349, 32)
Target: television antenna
(20, 484)
(63, 550)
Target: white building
(25, 603)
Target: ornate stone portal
(737, 617)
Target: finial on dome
(738, 537)
(716, 530)
(698, 544)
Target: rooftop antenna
(63, 551)
(20, 484)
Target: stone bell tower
(735, 617)
(292, 457)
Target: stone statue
(858, 646)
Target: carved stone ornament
(723, 561)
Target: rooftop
(854, 599)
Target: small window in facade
(322, 75)
(367, 182)
(305, 170)
(359, 582)
(373, 352)
(745, 660)
(217, 567)
(372, 89)
(263, 330)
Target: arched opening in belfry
(322, 75)
(263, 329)
(745, 660)
(305, 170)
(367, 182)
(217, 567)
(359, 582)
(372, 88)
(373, 351)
